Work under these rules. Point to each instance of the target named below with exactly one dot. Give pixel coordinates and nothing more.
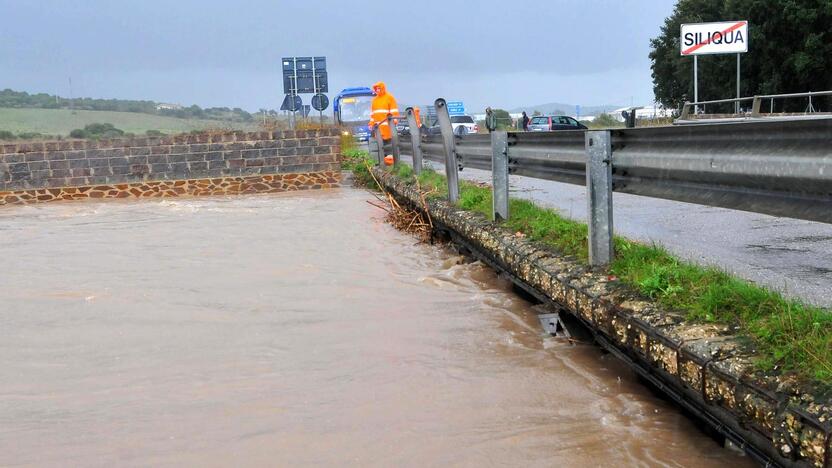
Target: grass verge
(789, 336)
(359, 162)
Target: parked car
(462, 125)
(403, 127)
(548, 123)
(464, 121)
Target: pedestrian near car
(490, 120)
(525, 121)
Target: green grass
(789, 336)
(61, 121)
(359, 162)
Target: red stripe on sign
(696, 47)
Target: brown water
(293, 330)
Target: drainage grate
(553, 325)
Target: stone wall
(238, 162)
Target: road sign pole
(696, 83)
(738, 82)
(294, 89)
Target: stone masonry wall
(238, 162)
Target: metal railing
(687, 116)
(781, 168)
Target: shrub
(29, 135)
(97, 130)
(6, 135)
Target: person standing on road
(383, 103)
(525, 121)
(490, 120)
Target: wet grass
(359, 162)
(788, 335)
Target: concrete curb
(704, 367)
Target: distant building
(166, 106)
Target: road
(787, 255)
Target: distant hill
(59, 122)
(558, 107)
(23, 100)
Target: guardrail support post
(415, 139)
(451, 167)
(599, 196)
(755, 106)
(499, 174)
(379, 145)
(394, 139)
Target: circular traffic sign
(320, 102)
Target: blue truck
(352, 108)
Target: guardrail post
(379, 145)
(499, 174)
(415, 140)
(599, 196)
(755, 106)
(394, 139)
(451, 167)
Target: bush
(30, 135)
(154, 133)
(605, 121)
(6, 135)
(97, 130)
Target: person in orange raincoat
(417, 116)
(383, 103)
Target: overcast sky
(227, 53)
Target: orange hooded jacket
(383, 103)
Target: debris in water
(404, 218)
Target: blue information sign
(456, 108)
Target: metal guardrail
(756, 107)
(781, 168)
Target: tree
(790, 50)
(97, 130)
(536, 113)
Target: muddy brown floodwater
(293, 330)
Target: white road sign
(728, 37)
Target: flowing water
(293, 330)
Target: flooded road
(293, 330)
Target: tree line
(22, 99)
(790, 51)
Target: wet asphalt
(791, 256)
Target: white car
(464, 121)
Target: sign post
(695, 82)
(304, 75)
(726, 37)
